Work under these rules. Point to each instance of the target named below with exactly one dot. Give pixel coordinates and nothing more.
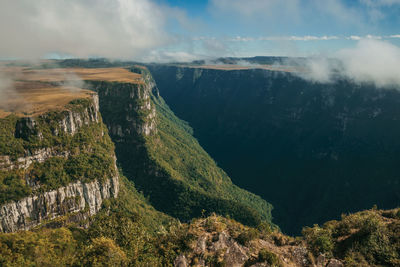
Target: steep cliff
(313, 150)
(49, 170)
(157, 151)
(74, 198)
(59, 163)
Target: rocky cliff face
(73, 120)
(313, 150)
(83, 196)
(69, 122)
(127, 108)
(73, 198)
(215, 241)
(157, 151)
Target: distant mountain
(313, 150)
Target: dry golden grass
(98, 74)
(31, 92)
(35, 98)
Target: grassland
(89, 74)
(31, 92)
(35, 98)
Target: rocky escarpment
(39, 155)
(313, 150)
(157, 151)
(73, 198)
(127, 108)
(68, 122)
(73, 120)
(58, 163)
(216, 241)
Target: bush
(319, 240)
(271, 258)
(104, 252)
(245, 237)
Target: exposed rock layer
(71, 122)
(75, 197)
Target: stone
(181, 261)
(75, 197)
(335, 263)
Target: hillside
(312, 150)
(56, 167)
(157, 151)
(58, 162)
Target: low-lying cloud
(7, 91)
(371, 61)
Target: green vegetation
(45, 131)
(171, 160)
(245, 237)
(198, 181)
(312, 150)
(122, 234)
(90, 152)
(370, 236)
(271, 258)
(13, 186)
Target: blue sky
(182, 30)
(281, 27)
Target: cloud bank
(82, 28)
(371, 61)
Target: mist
(370, 61)
(7, 91)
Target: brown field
(241, 67)
(99, 74)
(29, 92)
(35, 98)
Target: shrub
(271, 258)
(104, 252)
(246, 236)
(319, 240)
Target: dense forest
(313, 150)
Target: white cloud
(163, 56)
(250, 8)
(287, 12)
(284, 38)
(354, 37)
(310, 38)
(318, 70)
(368, 36)
(380, 2)
(372, 61)
(375, 7)
(116, 29)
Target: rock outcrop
(75, 197)
(80, 196)
(73, 120)
(132, 102)
(69, 122)
(40, 155)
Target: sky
(185, 30)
